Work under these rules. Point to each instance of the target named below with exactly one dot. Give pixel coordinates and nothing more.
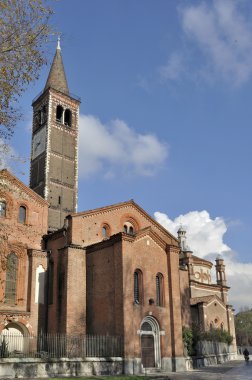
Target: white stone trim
(156, 335)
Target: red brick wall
(20, 238)
(110, 298)
(185, 298)
(87, 228)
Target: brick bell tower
(54, 156)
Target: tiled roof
(57, 77)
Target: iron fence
(60, 345)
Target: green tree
(243, 327)
(24, 33)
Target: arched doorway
(13, 337)
(150, 343)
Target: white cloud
(173, 69)
(205, 236)
(222, 35)
(115, 148)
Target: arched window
(222, 326)
(131, 230)
(105, 231)
(59, 114)
(159, 289)
(211, 325)
(138, 287)
(128, 228)
(146, 327)
(68, 118)
(22, 215)
(11, 278)
(2, 208)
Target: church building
(112, 271)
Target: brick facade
(22, 239)
(109, 271)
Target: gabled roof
(206, 299)
(148, 231)
(4, 173)
(123, 205)
(57, 77)
(120, 236)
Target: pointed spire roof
(57, 77)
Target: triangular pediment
(129, 207)
(8, 183)
(207, 300)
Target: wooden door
(148, 355)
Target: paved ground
(233, 370)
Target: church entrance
(150, 343)
(148, 356)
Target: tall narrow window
(104, 232)
(68, 118)
(138, 287)
(2, 208)
(131, 230)
(22, 214)
(43, 115)
(59, 114)
(11, 279)
(159, 289)
(50, 282)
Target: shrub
(187, 335)
(4, 353)
(217, 335)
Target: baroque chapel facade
(109, 271)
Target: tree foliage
(192, 336)
(217, 335)
(24, 33)
(188, 339)
(243, 327)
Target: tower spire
(57, 77)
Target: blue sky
(165, 116)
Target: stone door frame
(155, 332)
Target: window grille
(146, 327)
(11, 278)
(159, 289)
(138, 286)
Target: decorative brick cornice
(109, 242)
(37, 253)
(4, 173)
(148, 232)
(172, 249)
(15, 313)
(207, 300)
(198, 284)
(127, 204)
